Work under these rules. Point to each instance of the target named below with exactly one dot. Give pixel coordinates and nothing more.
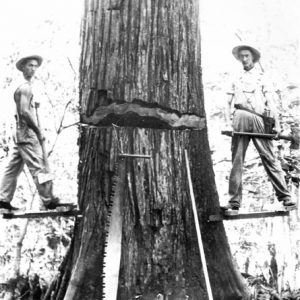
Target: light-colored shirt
(249, 88)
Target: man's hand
(227, 130)
(228, 127)
(277, 131)
(40, 137)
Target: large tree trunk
(146, 50)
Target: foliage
(262, 290)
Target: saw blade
(112, 251)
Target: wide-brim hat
(236, 50)
(20, 63)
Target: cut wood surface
(141, 114)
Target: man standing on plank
(254, 111)
(28, 139)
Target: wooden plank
(252, 215)
(42, 214)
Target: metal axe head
(45, 177)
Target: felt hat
(20, 63)
(236, 50)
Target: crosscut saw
(113, 243)
(112, 251)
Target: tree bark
(146, 50)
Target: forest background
(268, 247)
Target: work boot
(230, 210)
(289, 203)
(7, 205)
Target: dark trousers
(244, 121)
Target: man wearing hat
(27, 141)
(250, 101)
